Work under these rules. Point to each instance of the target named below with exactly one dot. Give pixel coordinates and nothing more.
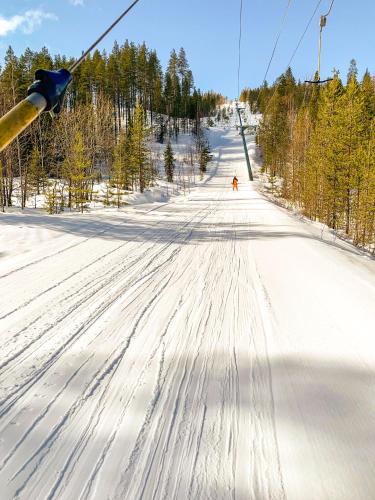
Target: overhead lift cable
(46, 93)
(239, 51)
(297, 47)
(282, 24)
(304, 33)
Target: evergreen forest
(116, 104)
(319, 142)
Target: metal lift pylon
(242, 129)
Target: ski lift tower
(242, 132)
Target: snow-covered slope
(210, 347)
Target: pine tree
(275, 129)
(350, 128)
(138, 148)
(186, 83)
(154, 85)
(322, 198)
(172, 90)
(365, 228)
(297, 155)
(99, 74)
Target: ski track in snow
(203, 349)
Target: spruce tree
(118, 171)
(54, 198)
(205, 156)
(169, 162)
(80, 180)
(36, 174)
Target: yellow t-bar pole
(45, 94)
(20, 117)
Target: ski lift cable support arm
(46, 93)
(322, 24)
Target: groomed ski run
(211, 347)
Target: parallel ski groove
(138, 371)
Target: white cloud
(27, 22)
(77, 2)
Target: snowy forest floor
(213, 346)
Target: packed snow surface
(211, 347)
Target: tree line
(320, 141)
(116, 104)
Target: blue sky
(208, 29)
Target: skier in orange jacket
(235, 183)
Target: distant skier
(235, 183)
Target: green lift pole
(244, 144)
